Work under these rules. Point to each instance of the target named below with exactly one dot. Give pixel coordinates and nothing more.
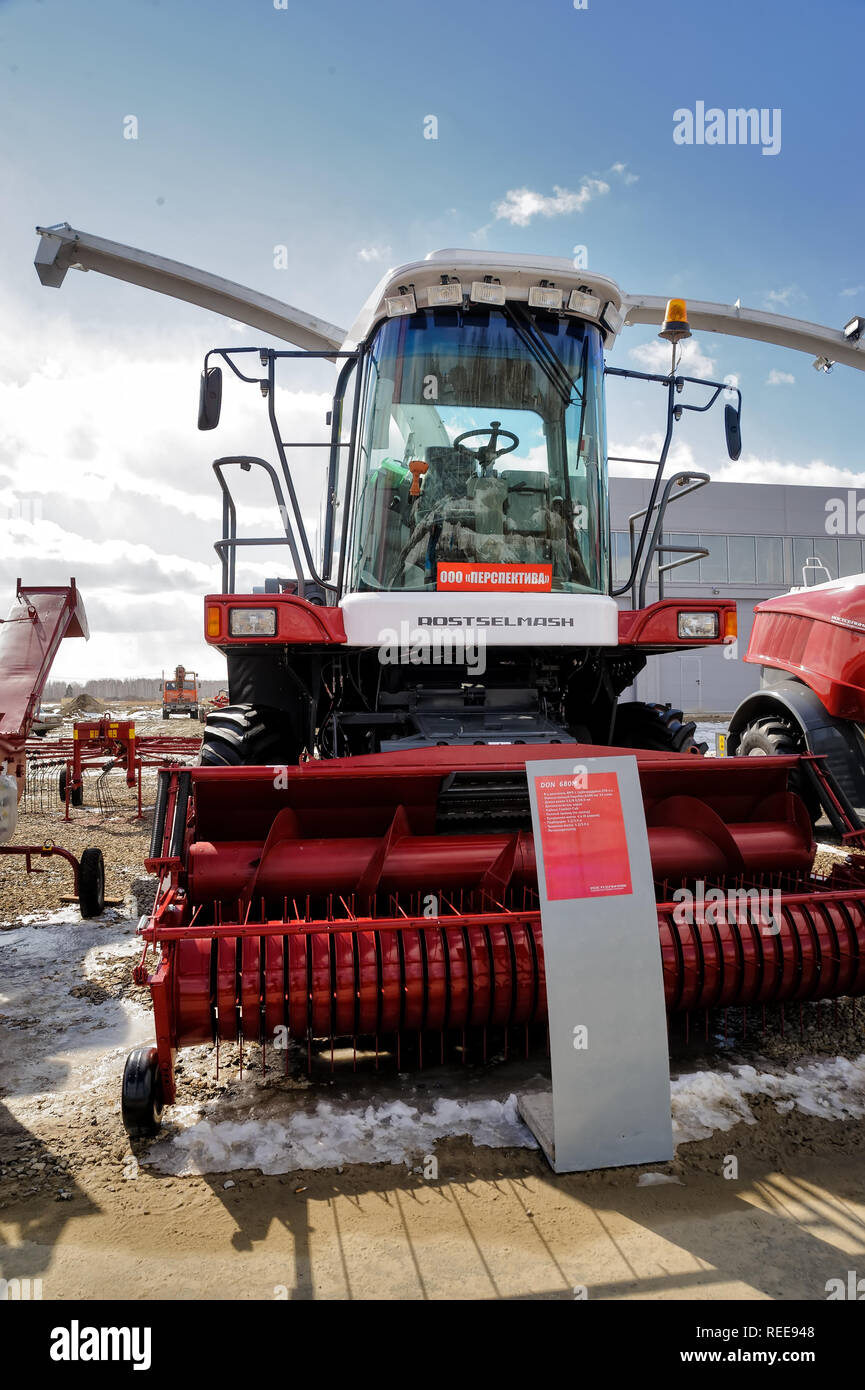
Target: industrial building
(759, 538)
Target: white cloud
(856, 289)
(781, 299)
(104, 476)
(776, 378)
(656, 356)
(648, 446)
(374, 253)
(520, 205)
(817, 473)
(624, 173)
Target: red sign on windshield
(469, 576)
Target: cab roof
(517, 273)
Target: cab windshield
(482, 441)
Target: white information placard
(605, 992)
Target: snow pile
(329, 1136)
(60, 1029)
(706, 1101)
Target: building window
(683, 574)
(826, 550)
(742, 551)
(821, 549)
(850, 558)
(713, 567)
(621, 557)
(770, 561)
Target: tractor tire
(165, 714)
(76, 794)
(91, 883)
(141, 1100)
(657, 727)
(768, 737)
(774, 736)
(237, 736)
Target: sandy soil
(92, 1216)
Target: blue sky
(303, 127)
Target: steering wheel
(487, 454)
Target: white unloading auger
(62, 248)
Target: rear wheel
(239, 736)
(658, 727)
(141, 1102)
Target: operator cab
(481, 442)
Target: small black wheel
(165, 714)
(91, 883)
(76, 794)
(141, 1101)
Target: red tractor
(810, 644)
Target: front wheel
(658, 727)
(141, 1101)
(239, 736)
(774, 736)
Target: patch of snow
(330, 1135)
(706, 1101)
(53, 1041)
(657, 1179)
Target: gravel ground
(123, 838)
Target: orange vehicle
(180, 695)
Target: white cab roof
(516, 272)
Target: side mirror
(733, 431)
(210, 398)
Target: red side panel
(819, 636)
(297, 620)
(657, 626)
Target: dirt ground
(767, 1203)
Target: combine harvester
(38, 621)
(354, 858)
